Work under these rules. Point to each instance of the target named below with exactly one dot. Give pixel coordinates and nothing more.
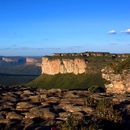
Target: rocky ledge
(55, 109)
(117, 82)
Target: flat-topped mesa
(63, 66)
(92, 54)
(83, 54)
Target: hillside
(118, 76)
(121, 66)
(68, 81)
(12, 74)
(91, 67)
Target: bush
(104, 110)
(96, 89)
(123, 65)
(91, 102)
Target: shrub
(104, 110)
(96, 89)
(91, 102)
(123, 65)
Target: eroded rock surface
(117, 83)
(50, 106)
(63, 66)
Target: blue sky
(38, 27)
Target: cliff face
(62, 66)
(34, 61)
(118, 83)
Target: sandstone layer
(118, 83)
(63, 66)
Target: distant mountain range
(20, 60)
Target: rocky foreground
(24, 108)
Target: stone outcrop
(55, 106)
(93, 54)
(63, 66)
(20, 60)
(83, 54)
(117, 83)
(33, 60)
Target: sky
(39, 27)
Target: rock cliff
(117, 82)
(62, 66)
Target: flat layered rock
(4, 121)
(41, 106)
(23, 106)
(52, 100)
(71, 108)
(13, 115)
(38, 112)
(35, 99)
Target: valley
(13, 71)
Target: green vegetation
(96, 89)
(93, 80)
(123, 65)
(96, 62)
(68, 81)
(105, 117)
(71, 81)
(105, 110)
(15, 80)
(73, 56)
(65, 57)
(12, 74)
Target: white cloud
(127, 31)
(112, 32)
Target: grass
(67, 81)
(97, 62)
(71, 81)
(82, 57)
(65, 57)
(123, 65)
(15, 80)
(16, 74)
(60, 81)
